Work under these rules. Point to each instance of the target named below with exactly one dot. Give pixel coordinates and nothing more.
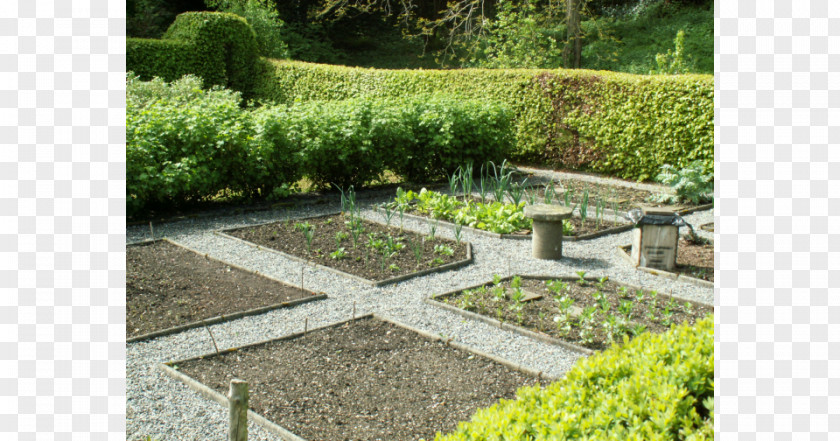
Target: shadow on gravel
(589, 262)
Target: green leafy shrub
(220, 48)
(655, 387)
(182, 148)
(426, 137)
(269, 29)
(167, 59)
(185, 143)
(225, 47)
(619, 124)
(689, 184)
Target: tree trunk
(571, 53)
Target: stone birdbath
(547, 241)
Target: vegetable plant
(689, 184)
(338, 254)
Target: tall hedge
(655, 387)
(620, 124)
(166, 59)
(220, 48)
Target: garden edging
(219, 318)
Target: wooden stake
(211, 336)
(238, 399)
(152, 230)
(305, 325)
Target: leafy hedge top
(655, 387)
(220, 39)
(622, 124)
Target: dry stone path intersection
(165, 409)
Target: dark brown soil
(538, 315)
(696, 260)
(693, 259)
(625, 198)
(365, 380)
(361, 259)
(168, 286)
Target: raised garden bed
(580, 313)
(490, 218)
(170, 288)
(349, 245)
(614, 197)
(695, 262)
(363, 379)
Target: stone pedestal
(547, 241)
(655, 246)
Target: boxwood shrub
(655, 387)
(220, 48)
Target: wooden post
(238, 398)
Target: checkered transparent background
(777, 334)
(62, 219)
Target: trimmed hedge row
(619, 124)
(220, 48)
(184, 143)
(655, 387)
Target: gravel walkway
(165, 409)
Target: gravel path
(165, 409)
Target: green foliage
(270, 31)
(673, 63)
(496, 217)
(225, 47)
(619, 124)
(519, 36)
(218, 47)
(424, 137)
(186, 144)
(655, 387)
(627, 38)
(167, 59)
(690, 184)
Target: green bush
(425, 137)
(184, 148)
(166, 59)
(225, 47)
(269, 29)
(185, 143)
(218, 47)
(655, 387)
(619, 124)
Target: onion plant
(549, 193)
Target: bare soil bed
(614, 196)
(169, 286)
(613, 310)
(693, 259)
(364, 380)
(379, 252)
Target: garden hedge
(184, 143)
(655, 387)
(619, 124)
(614, 123)
(220, 48)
